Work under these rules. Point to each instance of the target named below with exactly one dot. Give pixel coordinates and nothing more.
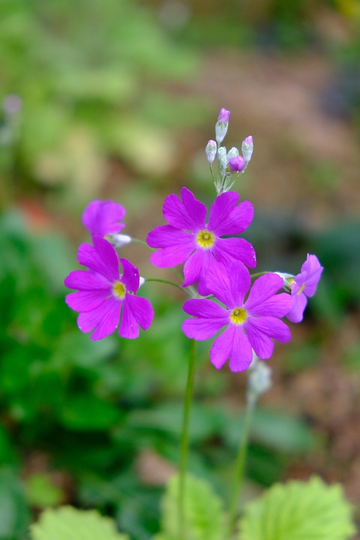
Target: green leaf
(13, 512)
(89, 413)
(68, 523)
(204, 518)
(41, 492)
(298, 511)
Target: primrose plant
(245, 311)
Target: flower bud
(233, 152)
(259, 380)
(237, 164)
(224, 116)
(222, 125)
(210, 151)
(118, 240)
(223, 159)
(247, 148)
(288, 279)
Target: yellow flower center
(205, 239)
(238, 315)
(119, 290)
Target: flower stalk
(184, 448)
(239, 473)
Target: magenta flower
(303, 286)
(105, 297)
(251, 324)
(103, 217)
(189, 239)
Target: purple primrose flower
(103, 217)
(303, 286)
(105, 297)
(189, 239)
(251, 324)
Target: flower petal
(211, 318)
(226, 218)
(263, 299)
(86, 300)
(206, 309)
(260, 331)
(130, 276)
(177, 246)
(228, 284)
(221, 348)
(298, 306)
(192, 267)
(164, 236)
(188, 214)
(84, 280)
(141, 309)
(227, 250)
(101, 258)
(129, 327)
(103, 217)
(241, 353)
(233, 345)
(105, 318)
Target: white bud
(259, 380)
(118, 240)
(233, 152)
(288, 279)
(210, 151)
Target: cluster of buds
(229, 163)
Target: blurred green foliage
(91, 78)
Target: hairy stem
(240, 466)
(185, 438)
(168, 283)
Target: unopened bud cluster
(229, 163)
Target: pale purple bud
(224, 116)
(247, 148)
(141, 281)
(222, 125)
(210, 151)
(237, 164)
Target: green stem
(168, 283)
(240, 466)
(141, 242)
(261, 274)
(185, 439)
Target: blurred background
(117, 99)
